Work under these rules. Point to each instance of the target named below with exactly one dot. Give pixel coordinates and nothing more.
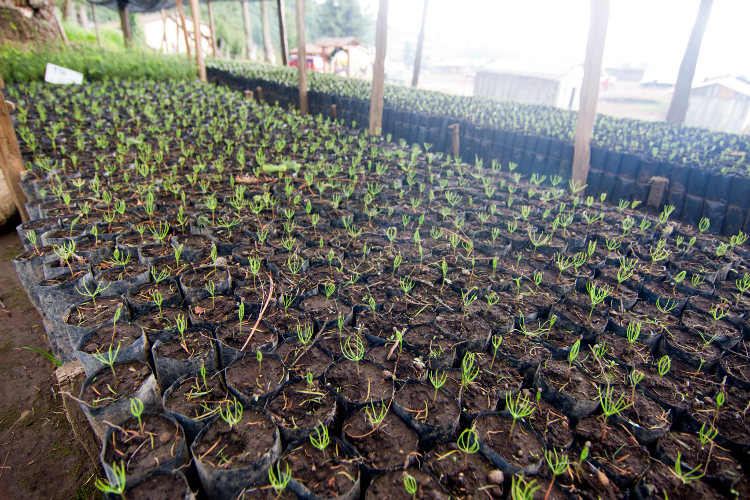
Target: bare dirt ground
(39, 456)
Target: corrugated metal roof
(728, 82)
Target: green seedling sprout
(92, 293)
(158, 299)
(519, 408)
(407, 285)
(633, 332)
(558, 464)
(136, 409)
(707, 438)
(330, 288)
(279, 480)
(211, 289)
(664, 364)
(353, 350)
(181, 322)
(321, 440)
(597, 296)
(686, 476)
(177, 254)
(521, 489)
(304, 333)
(118, 486)
(232, 414)
(437, 381)
(469, 372)
(31, 236)
(410, 485)
(241, 316)
(110, 359)
(635, 378)
(468, 443)
(573, 354)
(497, 340)
(610, 405)
(374, 417)
(468, 298)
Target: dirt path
(39, 457)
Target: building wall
(519, 88)
(718, 108)
(562, 92)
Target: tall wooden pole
(378, 72)
(127, 30)
(268, 52)
(420, 46)
(592, 69)
(181, 12)
(195, 7)
(213, 27)
(11, 162)
(96, 25)
(250, 46)
(681, 97)
(282, 33)
(301, 57)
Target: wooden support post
(592, 69)
(249, 45)
(301, 58)
(420, 46)
(334, 111)
(181, 11)
(378, 72)
(214, 51)
(259, 93)
(127, 30)
(282, 33)
(96, 25)
(195, 8)
(455, 139)
(11, 162)
(70, 378)
(249, 95)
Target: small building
(343, 56)
(722, 104)
(556, 85)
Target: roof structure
(145, 5)
(730, 82)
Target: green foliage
(20, 65)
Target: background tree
(681, 97)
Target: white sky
(653, 32)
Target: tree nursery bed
(270, 305)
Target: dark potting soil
(142, 449)
(464, 474)
(197, 398)
(521, 447)
(327, 474)
(234, 335)
(427, 406)
(225, 447)
(196, 344)
(159, 486)
(391, 486)
(391, 444)
(105, 388)
(255, 378)
(214, 310)
(91, 314)
(112, 335)
(302, 405)
(360, 382)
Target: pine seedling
(468, 443)
(410, 485)
(279, 480)
(518, 408)
(437, 381)
(118, 486)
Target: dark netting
(143, 5)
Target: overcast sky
(651, 32)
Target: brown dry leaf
(199, 310)
(245, 179)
